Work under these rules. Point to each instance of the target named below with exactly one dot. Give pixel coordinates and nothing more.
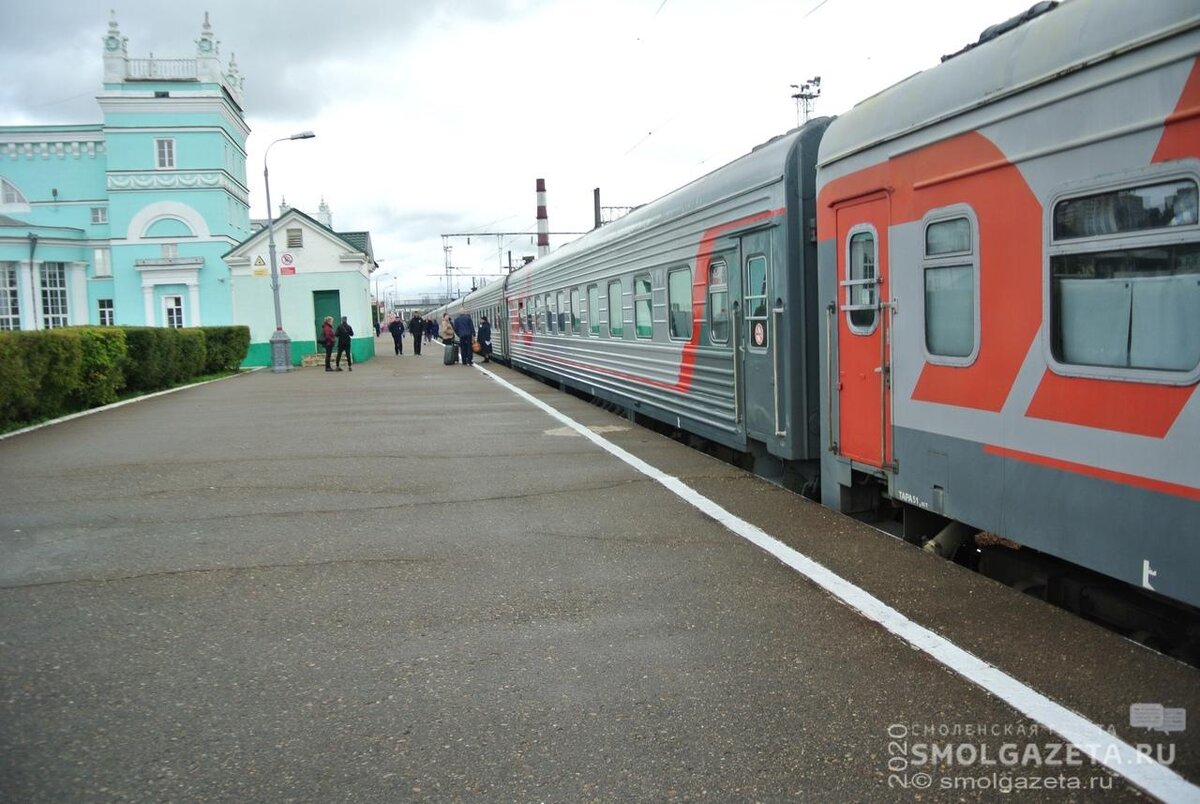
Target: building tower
(177, 195)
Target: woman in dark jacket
(484, 336)
(327, 340)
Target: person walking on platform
(446, 333)
(327, 340)
(464, 328)
(430, 330)
(485, 339)
(396, 327)
(417, 327)
(344, 334)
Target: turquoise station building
(136, 220)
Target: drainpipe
(33, 238)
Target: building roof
(357, 241)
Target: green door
(326, 302)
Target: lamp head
(303, 135)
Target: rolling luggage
(450, 355)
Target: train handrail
(830, 314)
(777, 312)
(737, 359)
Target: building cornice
(51, 145)
(177, 180)
(144, 102)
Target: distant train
(970, 305)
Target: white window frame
(848, 296)
(164, 153)
(105, 312)
(643, 296)
(713, 290)
(691, 322)
(953, 260)
(99, 215)
(101, 262)
(619, 310)
(54, 302)
(10, 195)
(1186, 170)
(10, 293)
(172, 302)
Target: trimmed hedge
(227, 348)
(48, 373)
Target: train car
(697, 310)
(1010, 280)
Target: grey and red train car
(972, 300)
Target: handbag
(476, 347)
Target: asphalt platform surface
(407, 583)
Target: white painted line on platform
(1088, 738)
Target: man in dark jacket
(344, 334)
(417, 327)
(396, 327)
(464, 328)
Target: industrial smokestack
(543, 222)
(596, 205)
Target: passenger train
(969, 306)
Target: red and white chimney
(543, 222)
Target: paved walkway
(409, 583)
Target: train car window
(756, 301)
(539, 305)
(576, 309)
(1125, 279)
(679, 304)
(718, 302)
(643, 307)
(551, 314)
(562, 312)
(951, 300)
(593, 308)
(860, 294)
(616, 313)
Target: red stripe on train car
(687, 360)
(1124, 407)
(1149, 484)
(1182, 129)
(968, 169)
(1129, 407)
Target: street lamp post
(281, 344)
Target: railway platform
(425, 582)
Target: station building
(144, 218)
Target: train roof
(762, 165)
(1009, 58)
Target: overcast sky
(437, 116)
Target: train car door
(864, 409)
(758, 336)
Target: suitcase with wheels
(450, 355)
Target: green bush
(18, 389)
(47, 373)
(103, 372)
(55, 361)
(147, 362)
(227, 347)
(190, 354)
